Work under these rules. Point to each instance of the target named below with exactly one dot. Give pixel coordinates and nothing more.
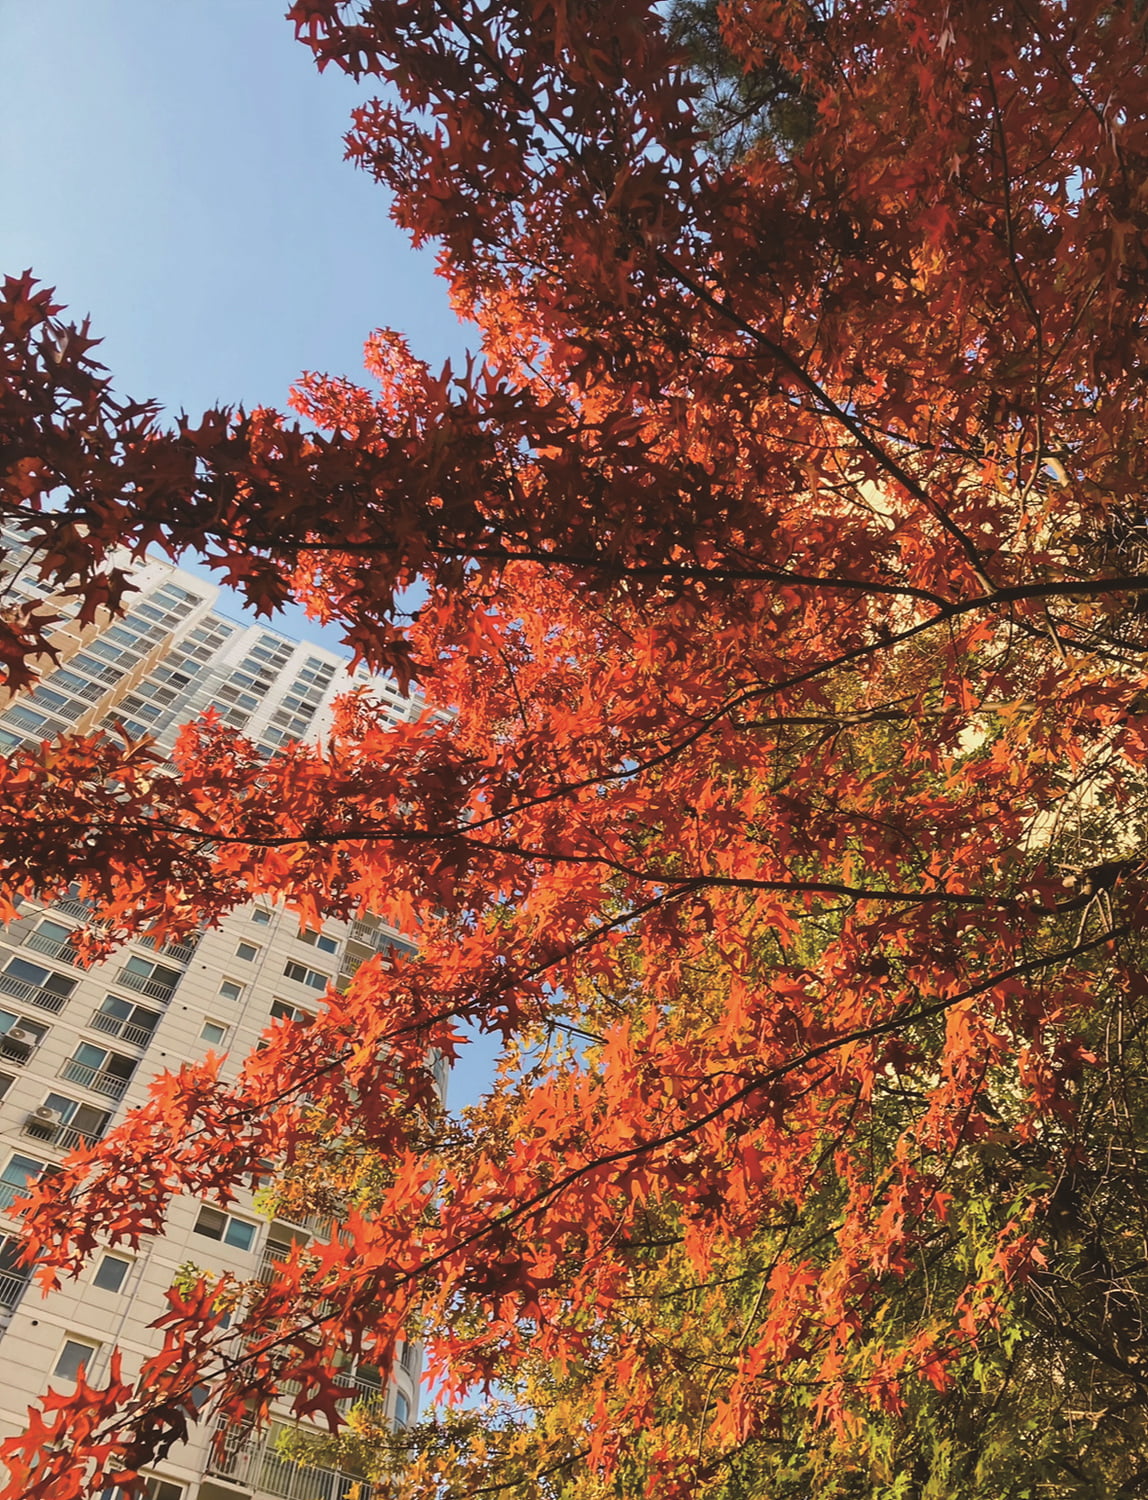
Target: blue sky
(174, 168)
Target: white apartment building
(79, 1047)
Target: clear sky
(174, 168)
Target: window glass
(402, 1410)
(55, 930)
(211, 1223)
(114, 1006)
(162, 1489)
(321, 941)
(230, 990)
(239, 1233)
(46, 698)
(75, 1354)
(90, 1055)
(310, 977)
(213, 1033)
(111, 1273)
(216, 1225)
(35, 974)
(281, 1010)
(9, 1022)
(247, 951)
(261, 917)
(20, 1171)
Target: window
(247, 951)
(402, 1410)
(98, 1069)
(230, 990)
(261, 917)
(310, 977)
(14, 1275)
(56, 932)
(44, 697)
(149, 978)
(213, 1033)
(112, 1272)
(131, 1023)
(76, 1355)
(67, 1123)
(19, 1038)
(6, 1082)
(28, 981)
(407, 1358)
(162, 1489)
(282, 1010)
(67, 681)
(215, 1225)
(15, 1178)
(321, 941)
(122, 637)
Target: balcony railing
(70, 907)
(32, 993)
(53, 947)
(21, 718)
(155, 989)
(92, 692)
(13, 1050)
(63, 1137)
(183, 951)
(96, 1079)
(250, 1460)
(269, 1262)
(376, 938)
(12, 1285)
(365, 1393)
(9, 1192)
(127, 1031)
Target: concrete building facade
(78, 1048)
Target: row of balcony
(55, 1000)
(251, 1460)
(40, 1127)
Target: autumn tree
(782, 564)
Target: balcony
(97, 1079)
(12, 1285)
(250, 1459)
(154, 989)
(63, 952)
(92, 692)
(18, 1049)
(32, 993)
(183, 952)
(70, 907)
(375, 938)
(34, 723)
(9, 1192)
(128, 1031)
(368, 1393)
(63, 1137)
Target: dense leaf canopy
(780, 801)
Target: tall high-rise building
(79, 1047)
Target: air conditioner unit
(20, 1035)
(46, 1116)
